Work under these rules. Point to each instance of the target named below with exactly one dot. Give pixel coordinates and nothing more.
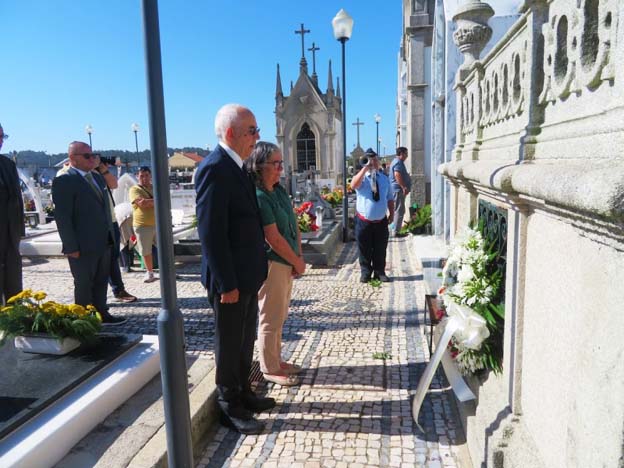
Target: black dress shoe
(242, 421)
(382, 277)
(365, 278)
(257, 404)
(109, 319)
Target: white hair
(227, 117)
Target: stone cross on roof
(313, 49)
(358, 124)
(303, 32)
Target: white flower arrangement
(470, 281)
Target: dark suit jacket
(11, 202)
(229, 227)
(83, 219)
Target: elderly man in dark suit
(84, 222)
(11, 227)
(234, 262)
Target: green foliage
(375, 283)
(420, 218)
(382, 355)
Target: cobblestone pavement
(53, 276)
(351, 409)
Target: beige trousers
(273, 302)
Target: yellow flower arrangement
(26, 313)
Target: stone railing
(543, 113)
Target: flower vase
(45, 344)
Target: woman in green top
(285, 261)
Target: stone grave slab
(31, 382)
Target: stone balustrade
(542, 114)
(540, 140)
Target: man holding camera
(374, 200)
(114, 279)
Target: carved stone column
(472, 33)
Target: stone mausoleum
(539, 158)
(309, 125)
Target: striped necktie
(94, 186)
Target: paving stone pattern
(53, 276)
(351, 409)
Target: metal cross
(358, 124)
(313, 49)
(303, 32)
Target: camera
(108, 160)
(365, 160)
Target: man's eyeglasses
(4, 136)
(88, 155)
(277, 164)
(254, 130)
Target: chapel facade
(309, 126)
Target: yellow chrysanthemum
(6, 308)
(39, 295)
(77, 309)
(26, 293)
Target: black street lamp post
(377, 120)
(343, 27)
(170, 322)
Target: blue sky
(69, 63)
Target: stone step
(135, 436)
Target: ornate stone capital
(472, 32)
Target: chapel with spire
(309, 122)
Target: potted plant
(419, 219)
(47, 327)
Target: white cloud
(501, 7)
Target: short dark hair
(145, 169)
(401, 150)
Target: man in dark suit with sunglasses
(234, 262)
(11, 227)
(83, 218)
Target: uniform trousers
(372, 241)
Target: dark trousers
(90, 272)
(114, 279)
(10, 266)
(235, 326)
(372, 241)
(126, 257)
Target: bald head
(81, 157)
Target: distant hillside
(30, 158)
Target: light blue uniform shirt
(365, 205)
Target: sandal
(284, 380)
(290, 368)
